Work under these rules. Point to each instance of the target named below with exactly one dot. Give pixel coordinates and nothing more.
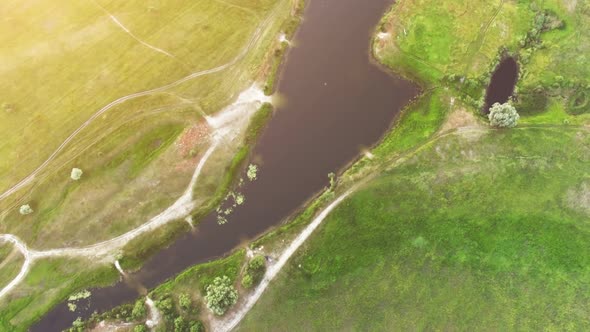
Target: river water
(337, 103)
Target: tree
(76, 174)
(221, 295)
(25, 209)
(503, 115)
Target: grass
(132, 151)
(11, 261)
(139, 156)
(465, 234)
(477, 229)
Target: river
(337, 103)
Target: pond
(502, 83)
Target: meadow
(120, 90)
(138, 154)
(459, 226)
(455, 225)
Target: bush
(76, 174)
(247, 281)
(180, 325)
(197, 326)
(221, 295)
(503, 116)
(25, 209)
(184, 301)
(139, 311)
(140, 328)
(254, 271)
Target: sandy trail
(22, 247)
(229, 322)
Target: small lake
(502, 83)
(337, 103)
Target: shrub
(254, 271)
(221, 295)
(180, 325)
(503, 115)
(184, 301)
(197, 326)
(139, 311)
(247, 281)
(76, 174)
(25, 209)
(140, 328)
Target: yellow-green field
(64, 64)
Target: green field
(455, 225)
(460, 227)
(467, 233)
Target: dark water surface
(337, 102)
(502, 83)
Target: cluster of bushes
(254, 272)
(181, 317)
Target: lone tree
(221, 295)
(25, 209)
(76, 174)
(503, 115)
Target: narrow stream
(337, 102)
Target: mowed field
(164, 64)
(461, 226)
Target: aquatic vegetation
(252, 172)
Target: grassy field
(478, 229)
(467, 233)
(137, 156)
(10, 263)
(457, 226)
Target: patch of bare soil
(460, 118)
(191, 138)
(579, 198)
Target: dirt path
(132, 35)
